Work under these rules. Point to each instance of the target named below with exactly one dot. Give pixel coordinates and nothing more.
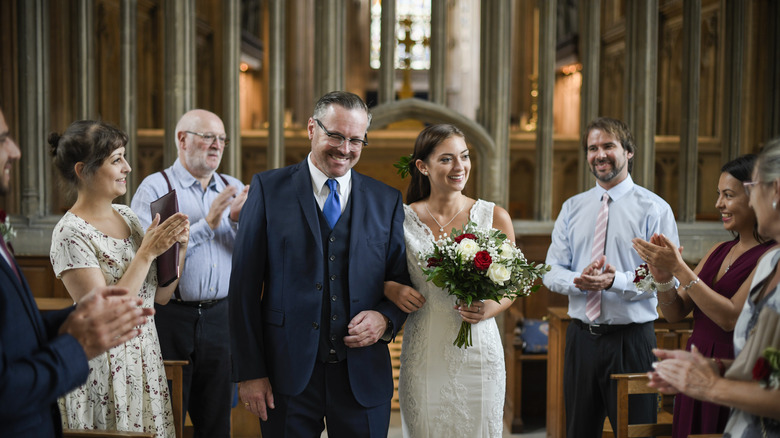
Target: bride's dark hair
(429, 138)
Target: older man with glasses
(309, 319)
(194, 324)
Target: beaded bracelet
(690, 285)
(663, 287)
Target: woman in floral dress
(97, 243)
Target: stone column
(276, 85)
(590, 44)
(463, 55)
(436, 75)
(34, 107)
(544, 128)
(492, 184)
(330, 31)
(179, 61)
(642, 79)
(300, 68)
(734, 41)
(128, 71)
(85, 60)
(386, 88)
(231, 102)
(689, 135)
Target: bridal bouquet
(478, 264)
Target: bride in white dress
(444, 390)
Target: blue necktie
(332, 207)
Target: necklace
(441, 227)
(732, 253)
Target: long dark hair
(741, 168)
(429, 138)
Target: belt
(205, 304)
(600, 329)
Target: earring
(425, 172)
(774, 205)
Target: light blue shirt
(206, 274)
(320, 187)
(633, 212)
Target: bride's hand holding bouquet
(477, 265)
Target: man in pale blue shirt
(612, 322)
(194, 325)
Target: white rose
(466, 249)
(498, 273)
(506, 251)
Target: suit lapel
(25, 295)
(303, 189)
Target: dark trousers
(589, 393)
(201, 336)
(328, 395)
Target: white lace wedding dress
(446, 391)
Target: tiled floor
(395, 429)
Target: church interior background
(698, 82)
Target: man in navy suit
(316, 243)
(43, 356)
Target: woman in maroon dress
(715, 290)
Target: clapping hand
(597, 276)
(683, 371)
(161, 236)
(661, 255)
(104, 318)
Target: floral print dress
(127, 388)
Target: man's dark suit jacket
(36, 365)
(279, 254)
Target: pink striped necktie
(593, 303)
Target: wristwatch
(387, 336)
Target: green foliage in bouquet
(478, 264)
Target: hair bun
(54, 141)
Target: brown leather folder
(168, 262)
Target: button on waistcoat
(335, 291)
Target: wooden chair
(174, 373)
(668, 340)
(628, 384)
(78, 433)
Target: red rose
(762, 369)
(433, 262)
(482, 260)
(465, 236)
(2, 216)
(640, 273)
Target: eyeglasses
(210, 138)
(749, 186)
(335, 140)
